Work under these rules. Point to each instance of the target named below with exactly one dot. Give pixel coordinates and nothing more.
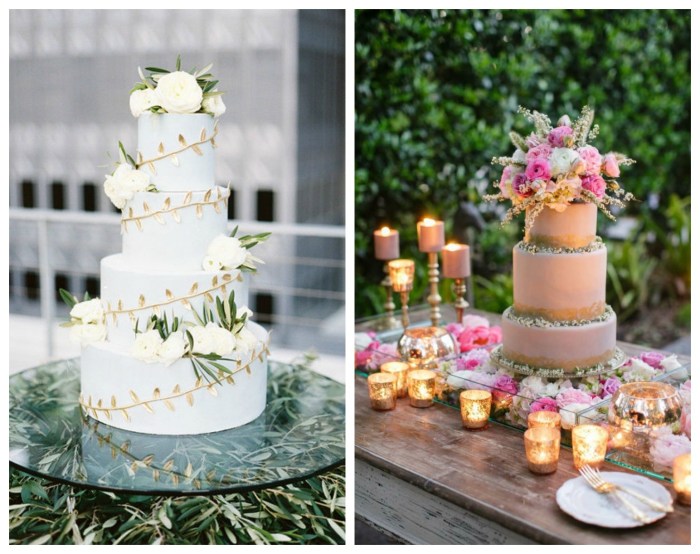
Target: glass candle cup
(544, 418)
(589, 444)
(542, 449)
(475, 406)
(401, 274)
(421, 387)
(382, 391)
(681, 478)
(400, 371)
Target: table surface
(485, 472)
(301, 433)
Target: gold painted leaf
(156, 310)
(247, 369)
(120, 305)
(186, 304)
(176, 389)
(174, 160)
(134, 466)
(108, 415)
(156, 475)
(203, 135)
(176, 216)
(139, 158)
(159, 218)
(211, 475)
(168, 294)
(125, 227)
(189, 398)
(113, 451)
(230, 380)
(188, 469)
(109, 306)
(218, 193)
(216, 126)
(99, 403)
(156, 393)
(197, 150)
(166, 203)
(169, 405)
(90, 401)
(198, 382)
(197, 484)
(207, 195)
(114, 318)
(125, 446)
(223, 289)
(131, 212)
(215, 281)
(188, 198)
(182, 140)
(161, 148)
(133, 395)
(138, 224)
(148, 407)
(194, 288)
(132, 317)
(213, 142)
(126, 415)
(175, 478)
(167, 466)
(142, 301)
(239, 277)
(152, 167)
(208, 297)
(199, 212)
(148, 460)
(146, 207)
(217, 208)
(226, 276)
(211, 389)
(220, 375)
(114, 401)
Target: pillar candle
(455, 261)
(386, 244)
(431, 235)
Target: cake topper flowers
(555, 166)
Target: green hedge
(437, 93)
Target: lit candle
(542, 449)
(401, 274)
(455, 261)
(589, 444)
(421, 387)
(544, 418)
(400, 371)
(681, 478)
(386, 244)
(382, 391)
(475, 406)
(431, 235)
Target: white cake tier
(152, 398)
(564, 347)
(125, 287)
(183, 168)
(174, 229)
(559, 286)
(575, 227)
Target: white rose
(203, 341)
(223, 340)
(172, 349)
(568, 414)
(89, 333)
(460, 379)
(89, 311)
(178, 92)
(562, 160)
(210, 264)
(146, 346)
(141, 100)
(638, 371)
(671, 363)
(227, 251)
(134, 181)
(214, 105)
(243, 311)
(123, 183)
(246, 340)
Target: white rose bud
(222, 339)
(172, 349)
(88, 333)
(146, 346)
(141, 101)
(227, 251)
(89, 311)
(203, 343)
(214, 105)
(562, 160)
(178, 92)
(246, 340)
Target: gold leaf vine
(140, 162)
(99, 407)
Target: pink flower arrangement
(573, 396)
(521, 186)
(505, 383)
(478, 337)
(538, 169)
(610, 387)
(610, 166)
(654, 359)
(544, 403)
(594, 184)
(592, 157)
(383, 353)
(543, 150)
(666, 447)
(561, 136)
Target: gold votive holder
(382, 391)
(542, 449)
(589, 444)
(544, 418)
(400, 371)
(421, 387)
(681, 478)
(645, 405)
(475, 406)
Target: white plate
(578, 499)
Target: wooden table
(422, 479)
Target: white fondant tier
(126, 282)
(558, 286)
(108, 375)
(575, 227)
(183, 170)
(172, 238)
(564, 347)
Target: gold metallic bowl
(425, 346)
(645, 406)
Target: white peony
(172, 349)
(214, 105)
(562, 160)
(638, 370)
(203, 340)
(178, 92)
(89, 311)
(568, 414)
(141, 101)
(246, 340)
(121, 186)
(146, 346)
(88, 333)
(222, 339)
(227, 252)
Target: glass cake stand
(300, 434)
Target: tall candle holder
(434, 298)
(386, 247)
(431, 239)
(389, 321)
(460, 288)
(457, 266)
(401, 273)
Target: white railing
(45, 222)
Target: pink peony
(465, 364)
(610, 167)
(477, 337)
(573, 396)
(654, 359)
(521, 186)
(666, 447)
(361, 358)
(471, 320)
(561, 136)
(505, 383)
(532, 140)
(538, 168)
(381, 354)
(506, 177)
(543, 150)
(610, 387)
(544, 404)
(591, 156)
(595, 184)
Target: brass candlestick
(389, 321)
(434, 296)
(404, 309)
(460, 288)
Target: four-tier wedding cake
(169, 347)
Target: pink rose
(532, 140)
(361, 358)
(506, 177)
(595, 184)
(381, 354)
(543, 150)
(538, 168)
(521, 186)
(610, 167)
(666, 446)
(653, 359)
(544, 404)
(477, 337)
(454, 329)
(573, 396)
(464, 364)
(505, 383)
(561, 136)
(591, 156)
(610, 387)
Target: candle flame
(385, 231)
(428, 221)
(453, 246)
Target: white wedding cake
(169, 347)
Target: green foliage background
(437, 93)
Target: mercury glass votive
(544, 418)
(475, 406)
(421, 387)
(542, 449)
(589, 444)
(400, 371)
(382, 391)
(681, 478)
(645, 405)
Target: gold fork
(603, 487)
(658, 506)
